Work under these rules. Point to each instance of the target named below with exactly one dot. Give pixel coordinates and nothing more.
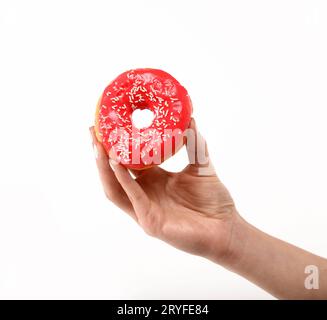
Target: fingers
(197, 151)
(111, 186)
(135, 193)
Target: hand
(191, 210)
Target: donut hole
(142, 118)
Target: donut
(134, 91)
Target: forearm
(274, 265)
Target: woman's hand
(194, 212)
(191, 210)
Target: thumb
(197, 151)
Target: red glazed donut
(156, 90)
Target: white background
(257, 74)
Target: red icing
(151, 89)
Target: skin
(193, 211)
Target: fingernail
(91, 134)
(112, 164)
(96, 152)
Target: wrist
(240, 231)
